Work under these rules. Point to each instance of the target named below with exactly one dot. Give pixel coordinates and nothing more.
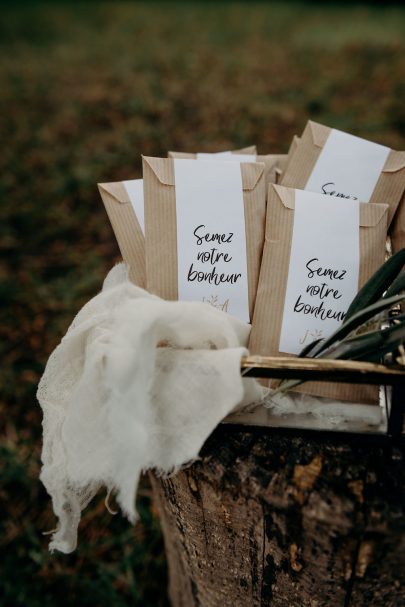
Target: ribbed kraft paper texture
(291, 150)
(161, 225)
(388, 190)
(274, 166)
(160, 231)
(397, 231)
(266, 326)
(127, 230)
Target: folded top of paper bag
(335, 163)
(274, 163)
(247, 151)
(123, 201)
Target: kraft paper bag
(293, 146)
(397, 230)
(127, 224)
(274, 163)
(166, 235)
(274, 166)
(332, 162)
(276, 320)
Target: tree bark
(269, 518)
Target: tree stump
(272, 518)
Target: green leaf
(357, 348)
(397, 286)
(307, 350)
(377, 284)
(355, 321)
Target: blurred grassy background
(84, 90)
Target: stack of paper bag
(195, 228)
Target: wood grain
(276, 367)
(269, 519)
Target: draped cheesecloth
(115, 404)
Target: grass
(85, 89)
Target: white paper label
(211, 235)
(227, 156)
(134, 188)
(348, 167)
(323, 274)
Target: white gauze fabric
(114, 404)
